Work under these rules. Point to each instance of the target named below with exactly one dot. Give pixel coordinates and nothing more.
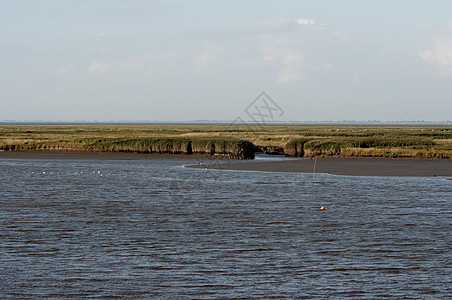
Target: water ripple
(151, 229)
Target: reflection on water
(154, 229)
(271, 157)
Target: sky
(136, 60)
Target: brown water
(150, 228)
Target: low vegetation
(237, 142)
(369, 147)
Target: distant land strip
(236, 142)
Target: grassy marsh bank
(236, 142)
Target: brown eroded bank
(236, 142)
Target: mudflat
(84, 155)
(330, 165)
(345, 166)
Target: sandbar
(329, 165)
(344, 166)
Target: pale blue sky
(207, 60)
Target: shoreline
(344, 166)
(329, 165)
(236, 141)
(75, 155)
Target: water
(273, 157)
(153, 229)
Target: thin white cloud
(427, 55)
(100, 35)
(107, 50)
(65, 69)
(325, 66)
(274, 23)
(144, 64)
(97, 67)
(305, 21)
(289, 75)
(208, 56)
(292, 69)
(205, 59)
(248, 64)
(309, 22)
(286, 56)
(131, 64)
(341, 35)
(426, 25)
(441, 55)
(443, 52)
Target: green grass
(414, 147)
(236, 141)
